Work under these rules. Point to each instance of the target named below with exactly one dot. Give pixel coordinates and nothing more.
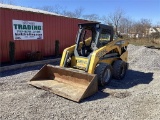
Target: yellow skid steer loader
(93, 60)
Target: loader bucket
(65, 82)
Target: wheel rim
(107, 75)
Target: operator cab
(92, 36)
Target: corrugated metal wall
(54, 28)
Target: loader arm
(66, 53)
(114, 46)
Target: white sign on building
(27, 30)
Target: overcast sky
(136, 9)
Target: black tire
(119, 69)
(104, 73)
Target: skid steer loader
(93, 60)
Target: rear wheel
(119, 69)
(104, 73)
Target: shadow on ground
(21, 70)
(131, 79)
(96, 96)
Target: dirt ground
(136, 97)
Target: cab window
(105, 37)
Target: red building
(34, 30)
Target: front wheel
(104, 73)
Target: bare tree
(125, 25)
(92, 17)
(69, 13)
(2, 1)
(47, 8)
(56, 9)
(77, 13)
(115, 18)
(106, 20)
(142, 26)
(146, 22)
(11, 2)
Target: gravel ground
(136, 97)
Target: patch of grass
(145, 42)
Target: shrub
(155, 35)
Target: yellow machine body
(75, 78)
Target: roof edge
(15, 7)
